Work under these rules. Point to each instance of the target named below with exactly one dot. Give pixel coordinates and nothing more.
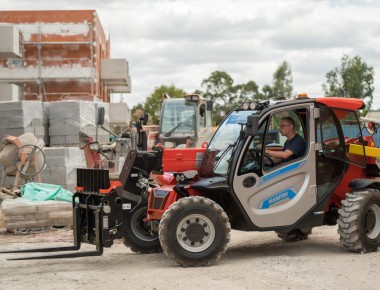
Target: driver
(295, 145)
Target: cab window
(276, 139)
(251, 161)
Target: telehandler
(185, 122)
(238, 186)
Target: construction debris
(6, 193)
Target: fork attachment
(97, 218)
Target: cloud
(182, 42)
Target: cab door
(275, 195)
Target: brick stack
(67, 118)
(61, 165)
(19, 117)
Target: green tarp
(44, 191)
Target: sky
(181, 42)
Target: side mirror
(94, 146)
(252, 125)
(145, 119)
(100, 117)
(209, 105)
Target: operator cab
(185, 122)
(295, 191)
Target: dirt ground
(253, 261)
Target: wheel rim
(195, 233)
(139, 228)
(372, 221)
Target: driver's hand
(275, 160)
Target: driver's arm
(279, 154)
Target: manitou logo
(278, 198)
(288, 193)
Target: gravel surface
(254, 260)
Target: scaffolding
(63, 39)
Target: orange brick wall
(55, 89)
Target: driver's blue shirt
(297, 145)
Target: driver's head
(286, 125)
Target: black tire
(359, 221)
(137, 235)
(194, 231)
(295, 234)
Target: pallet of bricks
(67, 118)
(64, 156)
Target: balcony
(10, 42)
(120, 89)
(19, 70)
(114, 73)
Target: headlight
(250, 106)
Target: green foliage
(282, 82)
(353, 79)
(219, 87)
(153, 103)
(267, 92)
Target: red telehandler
(238, 186)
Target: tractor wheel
(137, 235)
(295, 234)
(359, 221)
(194, 231)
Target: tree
(353, 79)
(220, 88)
(282, 81)
(267, 92)
(153, 103)
(137, 112)
(248, 92)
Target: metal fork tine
(61, 256)
(36, 250)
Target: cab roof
(344, 103)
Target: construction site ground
(254, 260)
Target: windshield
(177, 117)
(219, 150)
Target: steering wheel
(272, 163)
(256, 152)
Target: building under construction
(58, 55)
(55, 72)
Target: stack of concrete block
(19, 117)
(61, 166)
(9, 92)
(67, 118)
